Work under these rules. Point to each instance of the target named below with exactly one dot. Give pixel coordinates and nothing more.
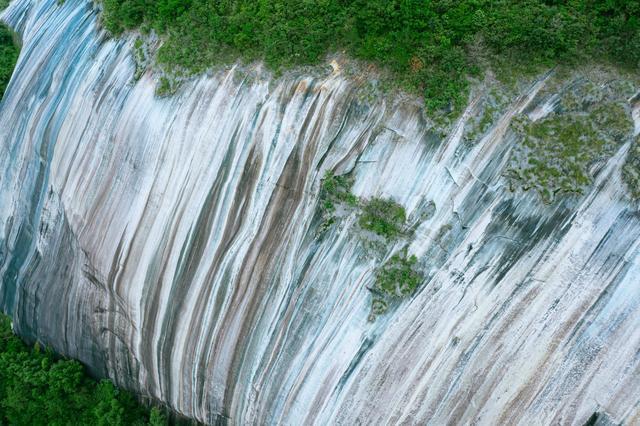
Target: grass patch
(336, 189)
(557, 154)
(167, 86)
(398, 277)
(140, 58)
(492, 104)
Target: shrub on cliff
(384, 217)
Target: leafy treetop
(430, 47)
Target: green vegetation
(379, 306)
(335, 191)
(8, 55)
(491, 106)
(36, 388)
(557, 154)
(166, 86)
(140, 58)
(429, 47)
(631, 170)
(384, 217)
(397, 279)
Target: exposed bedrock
(178, 245)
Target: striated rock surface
(177, 246)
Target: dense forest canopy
(8, 53)
(429, 46)
(36, 388)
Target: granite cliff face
(179, 245)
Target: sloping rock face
(179, 245)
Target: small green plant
(337, 189)
(140, 58)
(491, 106)
(613, 120)
(379, 306)
(384, 217)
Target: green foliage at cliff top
(8, 55)
(430, 47)
(36, 388)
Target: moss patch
(491, 105)
(167, 86)
(337, 189)
(397, 277)
(140, 57)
